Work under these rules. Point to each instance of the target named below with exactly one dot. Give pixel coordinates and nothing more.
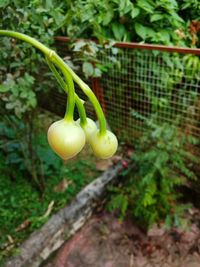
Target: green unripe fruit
(105, 145)
(66, 138)
(89, 128)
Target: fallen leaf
(23, 226)
(62, 186)
(103, 165)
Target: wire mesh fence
(148, 86)
(152, 85)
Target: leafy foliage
(18, 94)
(26, 149)
(157, 21)
(86, 54)
(162, 166)
(20, 61)
(20, 82)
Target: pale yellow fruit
(66, 138)
(104, 146)
(89, 128)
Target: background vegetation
(161, 21)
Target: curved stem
(67, 71)
(86, 89)
(78, 101)
(71, 93)
(57, 75)
(27, 39)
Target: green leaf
(135, 12)
(118, 31)
(177, 17)
(146, 5)
(125, 6)
(165, 35)
(141, 30)
(24, 94)
(48, 4)
(88, 69)
(168, 221)
(107, 17)
(10, 105)
(33, 102)
(156, 17)
(186, 5)
(78, 46)
(97, 72)
(4, 88)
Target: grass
(23, 209)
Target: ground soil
(106, 242)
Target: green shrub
(162, 165)
(20, 82)
(24, 146)
(160, 21)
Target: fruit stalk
(78, 101)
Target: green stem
(71, 92)
(27, 39)
(67, 71)
(69, 115)
(78, 101)
(88, 92)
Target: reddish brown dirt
(105, 242)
